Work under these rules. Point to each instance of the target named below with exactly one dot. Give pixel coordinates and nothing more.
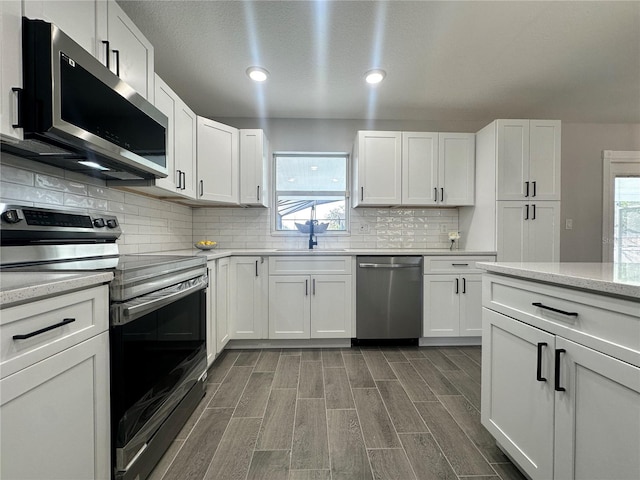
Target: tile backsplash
(151, 225)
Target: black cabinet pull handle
(534, 212)
(179, 173)
(435, 194)
(314, 286)
(539, 376)
(64, 322)
(18, 92)
(526, 216)
(442, 194)
(256, 268)
(563, 312)
(457, 286)
(464, 285)
(258, 193)
(184, 180)
(107, 52)
(526, 185)
(117, 54)
(306, 287)
(362, 193)
(459, 264)
(534, 189)
(201, 188)
(557, 386)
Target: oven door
(158, 354)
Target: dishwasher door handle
(387, 265)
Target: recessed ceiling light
(257, 74)
(291, 179)
(314, 167)
(374, 76)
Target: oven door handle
(129, 311)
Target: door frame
(615, 163)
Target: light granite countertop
(22, 287)
(622, 279)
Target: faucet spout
(313, 239)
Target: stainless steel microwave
(78, 115)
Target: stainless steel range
(157, 323)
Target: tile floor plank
(311, 383)
(434, 379)
(268, 361)
(277, 426)
(193, 459)
(287, 372)
(466, 386)
(221, 366)
(412, 352)
(469, 420)
(441, 361)
(312, 355)
(254, 398)
(233, 456)
(403, 414)
(337, 389)
(310, 475)
(291, 351)
(459, 450)
(393, 355)
(332, 358)
(269, 465)
(508, 471)
(349, 459)
(413, 383)
(247, 358)
(378, 365)
(376, 425)
(390, 464)
(468, 366)
(358, 372)
(425, 457)
(310, 442)
(475, 353)
(231, 388)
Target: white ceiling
(573, 61)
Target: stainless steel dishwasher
(388, 299)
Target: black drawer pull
(568, 314)
(459, 264)
(64, 322)
(558, 388)
(539, 376)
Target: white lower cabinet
(212, 344)
(453, 305)
(310, 297)
(559, 407)
(222, 303)
(248, 295)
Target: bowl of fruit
(206, 245)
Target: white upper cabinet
(165, 101)
(217, 162)
(528, 159)
(76, 19)
(377, 164)
(128, 53)
(254, 168)
(10, 67)
(414, 168)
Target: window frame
(347, 196)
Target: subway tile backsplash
(152, 225)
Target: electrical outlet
(568, 224)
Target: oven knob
(98, 222)
(11, 216)
(112, 223)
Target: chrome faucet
(313, 239)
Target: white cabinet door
(378, 168)
(185, 149)
(76, 19)
(217, 160)
(253, 168)
(441, 306)
(420, 168)
(543, 232)
(248, 298)
(513, 159)
(544, 159)
(597, 432)
(10, 67)
(212, 346)
(131, 54)
(517, 408)
(512, 232)
(166, 102)
(471, 306)
(289, 306)
(55, 416)
(331, 306)
(222, 303)
(456, 169)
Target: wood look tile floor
(339, 414)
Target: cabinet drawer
(310, 265)
(89, 309)
(455, 263)
(607, 324)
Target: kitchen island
(561, 367)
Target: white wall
(582, 146)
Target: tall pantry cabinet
(517, 210)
